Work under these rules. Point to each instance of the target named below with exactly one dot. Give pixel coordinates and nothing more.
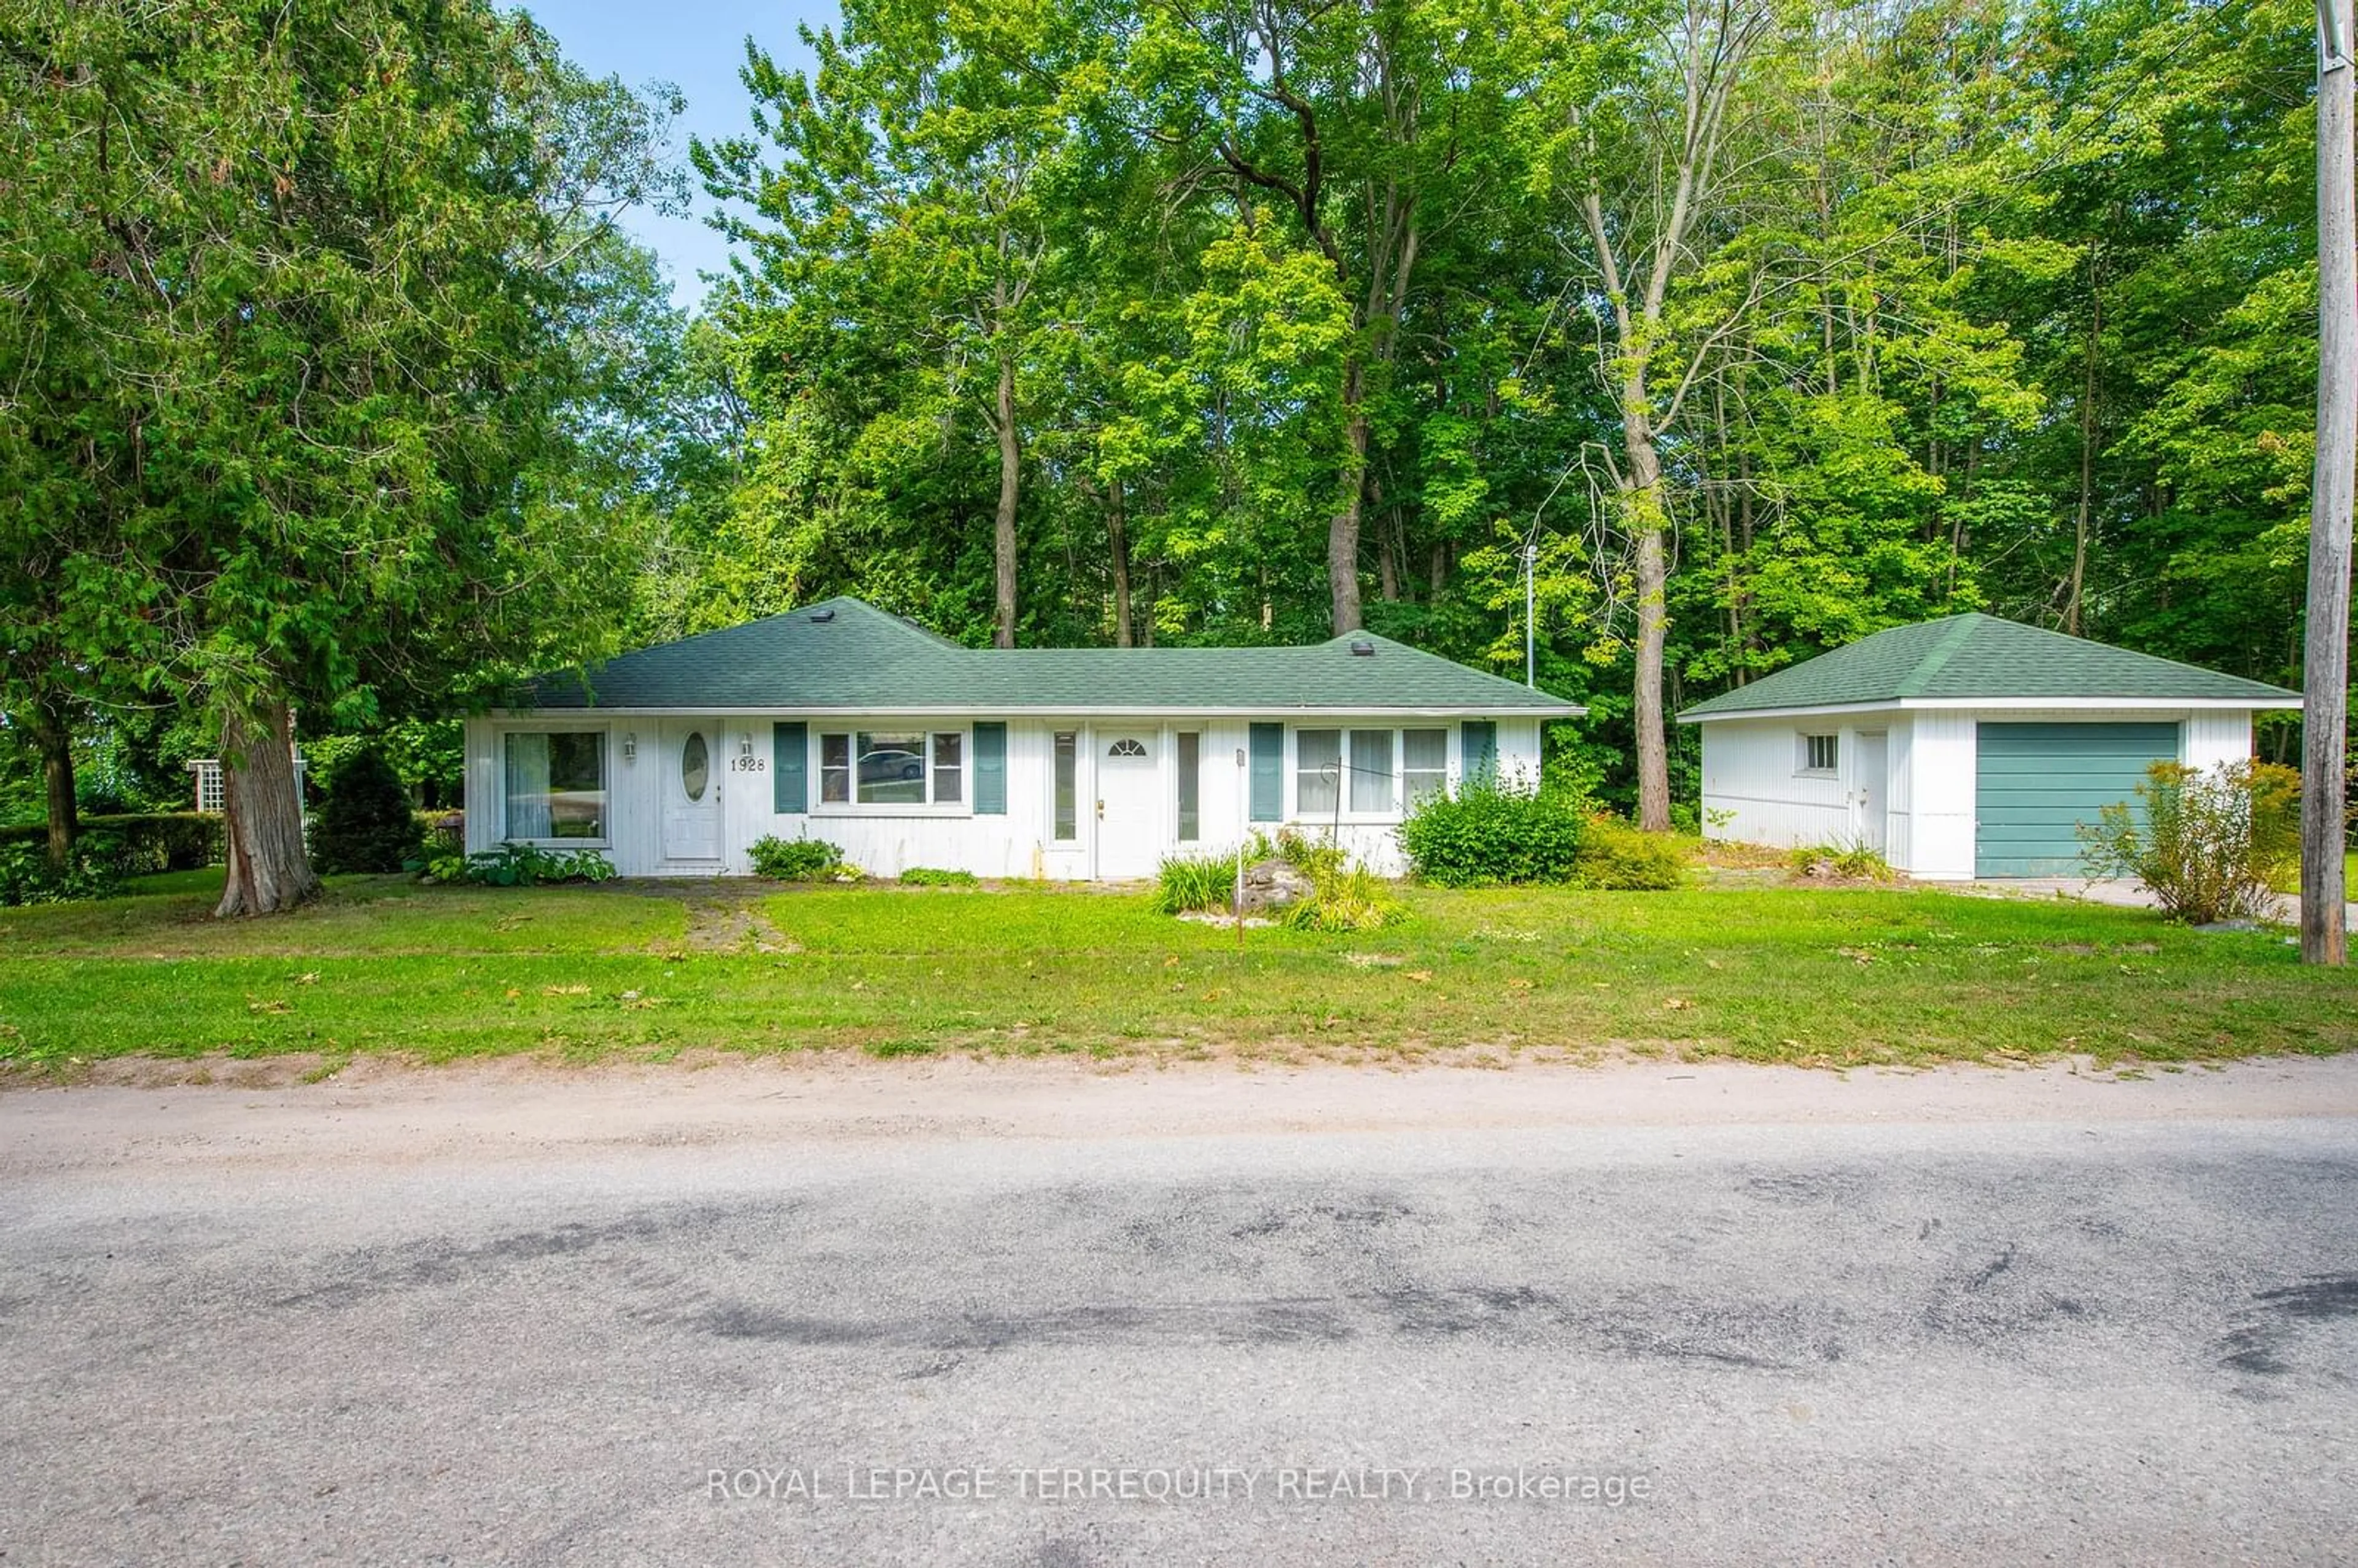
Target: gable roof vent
(1363, 650)
(822, 616)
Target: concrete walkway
(2126, 895)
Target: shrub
(1487, 832)
(934, 876)
(145, 841)
(1353, 900)
(367, 824)
(96, 869)
(522, 866)
(2208, 846)
(1185, 883)
(794, 860)
(1622, 858)
(1854, 862)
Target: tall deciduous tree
(1654, 114)
(1365, 125)
(1769, 322)
(909, 210)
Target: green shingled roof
(1971, 657)
(848, 655)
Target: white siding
(885, 841)
(1750, 774)
(1754, 791)
(2213, 740)
(1899, 818)
(1940, 786)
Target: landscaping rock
(1273, 884)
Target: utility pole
(2325, 677)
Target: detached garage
(1963, 748)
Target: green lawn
(1772, 973)
(2291, 883)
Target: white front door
(1873, 788)
(691, 789)
(1130, 800)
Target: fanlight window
(1126, 747)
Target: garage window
(1820, 753)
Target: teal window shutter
(1268, 773)
(989, 769)
(1481, 748)
(790, 768)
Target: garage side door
(2036, 783)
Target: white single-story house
(1963, 748)
(841, 722)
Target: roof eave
(2006, 704)
(1039, 711)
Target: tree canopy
(1755, 326)
(1766, 325)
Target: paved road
(577, 1321)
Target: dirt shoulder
(382, 1113)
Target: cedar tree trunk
(262, 825)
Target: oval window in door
(695, 765)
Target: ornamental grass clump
(1347, 899)
(1188, 883)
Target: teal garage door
(2035, 784)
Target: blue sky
(698, 45)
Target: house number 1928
(747, 764)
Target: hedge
(152, 841)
